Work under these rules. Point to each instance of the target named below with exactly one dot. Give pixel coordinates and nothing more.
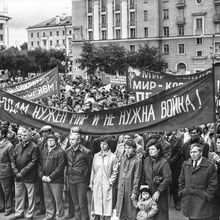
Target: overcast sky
(25, 13)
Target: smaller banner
(180, 107)
(38, 87)
(147, 84)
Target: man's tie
(195, 164)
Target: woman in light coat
(103, 175)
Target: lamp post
(65, 46)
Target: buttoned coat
(103, 175)
(197, 187)
(128, 183)
(6, 153)
(160, 168)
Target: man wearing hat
(79, 163)
(51, 171)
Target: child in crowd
(146, 205)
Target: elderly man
(24, 166)
(198, 185)
(51, 171)
(79, 163)
(6, 175)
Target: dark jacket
(79, 164)
(25, 160)
(6, 153)
(197, 189)
(151, 171)
(52, 164)
(175, 159)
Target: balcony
(198, 31)
(89, 9)
(117, 7)
(132, 23)
(117, 24)
(181, 4)
(132, 6)
(104, 25)
(180, 20)
(217, 2)
(216, 18)
(103, 9)
(199, 57)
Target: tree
(147, 58)
(24, 46)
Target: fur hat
(145, 188)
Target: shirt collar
(51, 148)
(78, 148)
(198, 161)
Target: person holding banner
(156, 174)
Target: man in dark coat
(175, 162)
(51, 171)
(6, 175)
(198, 185)
(24, 166)
(79, 164)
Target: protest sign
(38, 87)
(147, 84)
(179, 107)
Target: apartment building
(4, 29)
(187, 32)
(54, 33)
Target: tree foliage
(116, 59)
(20, 62)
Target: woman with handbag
(157, 175)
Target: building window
(90, 22)
(103, 35)
(118, 34)
(180, 30)
(32, 35)
(32, 43)
(1, 26)
(217, 47)
(103, 3)
(45, 42)
(51, 33)
(64, 42)
(51, 42)
(38, 43)
(199, 41)
(166, 48)
(58, 41)
(89, 6)
(145, 15)
(145, 1)
(63, 32)
(44, 34)
(199, 53)
(117, 4)
(146, 32)
(181, 49)
(132, 4)
(38, 35)
(1, 37)
(70, 32)
(132, 33)
(166, 14)
(132, 18)
(58, 33)
(199, 23)
(132, 48)
(117, 20)
(90, 34)
(103, 18)
(166, 31)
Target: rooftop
(54, 22)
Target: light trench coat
(103, 175)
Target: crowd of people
(130, 176)
(133, 174)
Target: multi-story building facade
(187, 32)
(4, 29)
(55, 33)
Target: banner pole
(216, 103)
